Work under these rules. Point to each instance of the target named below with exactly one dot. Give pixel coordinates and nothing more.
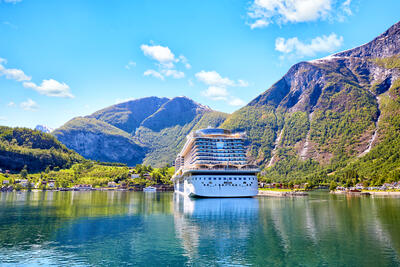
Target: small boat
(149, 189)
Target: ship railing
(221, 167)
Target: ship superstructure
(213, 163)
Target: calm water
(160, 229)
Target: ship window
(230, 178)
(215, 178)
(244, 178)
(219, 178)
(234, 178)
(240, 178)
(224, 178)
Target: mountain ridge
(326, 110)
(127, 132)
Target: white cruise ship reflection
(204, 223)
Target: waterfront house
(6, 182)
(359, 186)
(82, 187)
(112, 184)
(398, 185)
(24, 182)
(135, 176)
(51, 184)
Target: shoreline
(84, 190)
(274, 193)
(366, 193)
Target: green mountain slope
(129, 115)
(327, 113)
(37, 150)
(150, 130)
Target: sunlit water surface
(162, 229)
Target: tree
(332, 185)
(29, 186)
(24, 172)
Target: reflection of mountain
(121, 228)
(88, 228)
(217, 227)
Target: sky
(67, 58)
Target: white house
(112, 184)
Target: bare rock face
(147, 130)
(109, 148)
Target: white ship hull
(218, 185)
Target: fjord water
(119, 228)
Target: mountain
(98, 140)
(150, 130)
(323, 114)
(37, 150)
(325, 119)
(43, 128)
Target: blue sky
(61, 59)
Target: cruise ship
(213, 163)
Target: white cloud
(165, 61)
(242, 83)
(216, 93)
(50, 88)
(191, 83)
(130, 65)
(2, 118)
(184, 61)
(264, 12)
(29, 105)
(160, 53)
(260, 23)
(234, 101)
(12, 74)
(12, 1)
(217, 87)
(173, 73)
(11, 104)
(346, 7)
(293, 46)
(154, 74)
(213, 78)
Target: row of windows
(218, 159)
(215, 146)
(224, 178)
(220, 152)
(227, 185)
(218, 162)
(218, 140)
